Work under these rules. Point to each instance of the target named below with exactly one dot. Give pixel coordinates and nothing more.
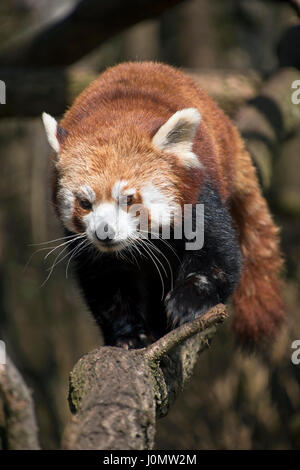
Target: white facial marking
(50, 125)
(87, 191)
(117, 189)
(177, 136)
(129, 192)
(66, 200)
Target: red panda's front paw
(179, 311)
(188, 300)
(133, 342)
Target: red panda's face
(116, 191)
(118, 202)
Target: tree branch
(19, 428)
(116, 394)
(164, 345)
(90, 24)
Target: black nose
(105, 233)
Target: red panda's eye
(126, 200)
(130, 200)
(85, 204)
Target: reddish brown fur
(119, 113)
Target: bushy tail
(258, 304)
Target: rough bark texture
(17, 420)
(90, 24)
(116, 394)
(112, 391)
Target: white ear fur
(51, 131)
(177, 135)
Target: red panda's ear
(177, 135)
(55, 133)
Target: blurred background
(245, 54)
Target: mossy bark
(116, 395)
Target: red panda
(145, 135)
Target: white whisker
(51, 248)
(162, 254)
(158, 237)
(75, 252)
(153, 258)
(55, 262)
(63, 244)
(55, 240)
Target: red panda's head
(106, 183)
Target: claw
(122, 344)
(137, 342)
